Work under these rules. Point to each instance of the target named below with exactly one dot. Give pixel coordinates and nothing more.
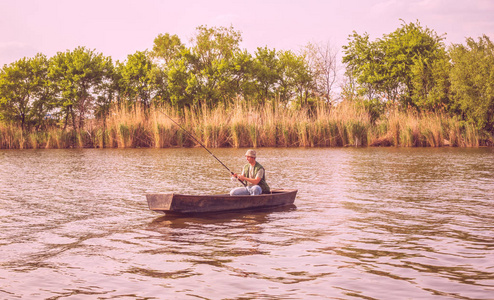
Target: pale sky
(118, 28)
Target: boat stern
(159, 202)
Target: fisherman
(253, 175)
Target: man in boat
(253, 175)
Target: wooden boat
(178, 203)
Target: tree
(295, 78)
(363, 64)
(430, 81)
(472, 81)
(242, 75)
(214, 51)
(78, 74)
(25, 93)
(266, 73)
(182, 81)
(138, 78)
(414, 54)
(166, 47)
(108, 92)
(44, 92)
(402, 66)
(216, 43)
(322, 62)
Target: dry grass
(347, 124)
(429, 129)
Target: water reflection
(180, 220)
(368, 223)
(241, 231)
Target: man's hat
(250, 153)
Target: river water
(368, 223)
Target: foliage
(266, 74)
(140, 80)
(182, 82)
(215, 70)
(166, 48)
(214, 52)
(408, 65)
(409, 68)
(26, 94)
(295, 78)
(472, 81)
(79, 75)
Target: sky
(118, 28)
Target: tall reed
(242, 125)
(426, 129)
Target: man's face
(250, 159)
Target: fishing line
(202, 145)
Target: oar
(195, 139)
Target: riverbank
(348, 124)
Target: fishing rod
(202, 145)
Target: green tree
(215, 70)
(182, 83)
(472, 81)
(79, 75)
(363, 65)
(139, 78)
(108, 91)
(44, 93)
(295, 78)
(416, 58)
(430, 81)
(166, 47)
(214, 52)
(407, 65)
(266, 72)
(216, 43)
(242, 75)
(25, 92)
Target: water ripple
(368, 223)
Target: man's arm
(254, 181)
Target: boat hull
(179, 203)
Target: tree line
(410, 67)
(413, 68)
(75, 85)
